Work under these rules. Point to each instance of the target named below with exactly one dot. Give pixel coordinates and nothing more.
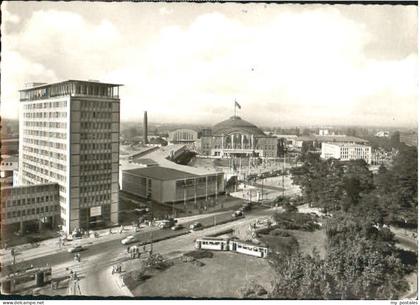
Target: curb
(120, 283)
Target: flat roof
(332, 138)
(10, 158)
(68, 81)
(145, 161)
(347, 144)
(161, 155)
(160, 173)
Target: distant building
(69, 134)
(9, 146)
(317, 140)
(8, 165)
(235, 137)
(382, 134)
(346, 152)
(168, 185)
(289, 140)
(29, 208)
(324, 132)
(182, 136)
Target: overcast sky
(285, 64)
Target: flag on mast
(237, 104)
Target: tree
(395, 139)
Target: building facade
(183, 136)
(167, 185)
(28, 208)
(346, 152)
(69, 134)
(235, 137)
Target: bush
(296, 221)
(252, 289)
(280, 233)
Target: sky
(285, 64)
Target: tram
(233, 245)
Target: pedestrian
(128, 249)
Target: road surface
(97, 260)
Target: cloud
(307, 66)
(18, 71)
(165, 11)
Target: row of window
(96, 146)
(94, 200)
(95, 157)
(96, 115)
(97, 177)
(33, 211)
(96, 188)
(39, 179)
(44, 124)
(8, 163)
(50, 164)
(44, 115)
(45, 105)
(33, 200)
(44, 143)
(97, 135)
(94, 167)
(43, 152)
(47, 134)
(94, 125)
(86, 105)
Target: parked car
(237, 213)
(129, 240)
(196, 226)
(246, 207)
(75, 249)
(177, 227)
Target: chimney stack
(145, 128)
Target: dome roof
(236, 124)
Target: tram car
(233, 245)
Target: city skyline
(285, 64)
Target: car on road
(75, 249)
(129, 240)
(246, 207)
(177, 227)
(237, 214)
(196, 226)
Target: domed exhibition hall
(236, 137)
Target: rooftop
(162, 154)
(44, 85)
(348, 145)
(145, 161)
(160, 173)
(70, 88)
(330, 138)
(235, 123)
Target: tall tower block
(69, 134)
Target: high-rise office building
(69, 134)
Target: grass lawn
(221, 276)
